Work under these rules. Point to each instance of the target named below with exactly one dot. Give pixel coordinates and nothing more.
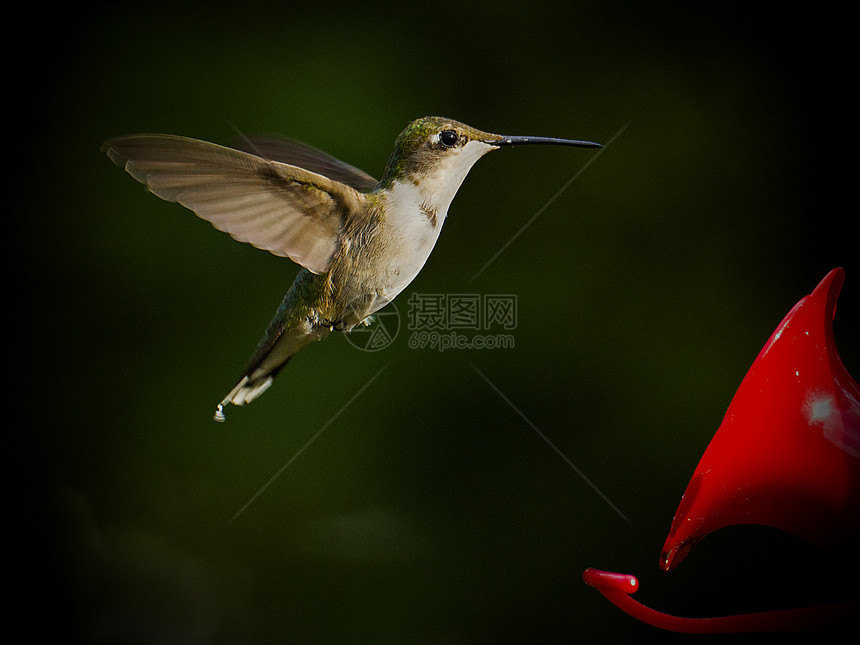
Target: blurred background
(423, 505)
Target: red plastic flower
(787, 455)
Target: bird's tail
(246, 390)
(272, 355)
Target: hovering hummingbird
(359, 241)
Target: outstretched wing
(300, 154)
(284, 209)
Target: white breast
(413, 226)
(416, 208)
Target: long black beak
(516, 141)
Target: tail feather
(244, 392)
(278, 346)
(248, 389)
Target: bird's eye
(448, 138)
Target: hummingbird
(359, 241)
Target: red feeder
(787, 456)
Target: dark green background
(428, 511)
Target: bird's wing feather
(281, 208)
(300, 154)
